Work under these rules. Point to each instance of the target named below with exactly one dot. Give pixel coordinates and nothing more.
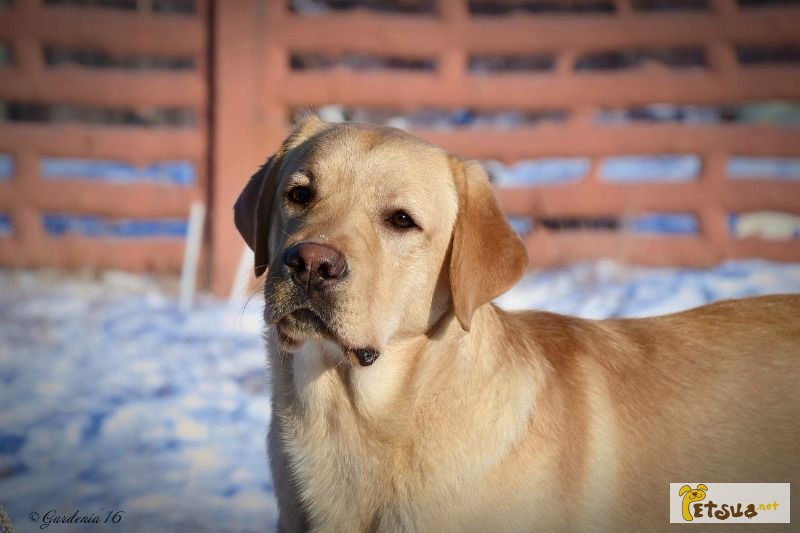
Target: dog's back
(706, 395)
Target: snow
(113, 399)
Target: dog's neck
(318, 377)
(319, 373)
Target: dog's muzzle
(314, 268)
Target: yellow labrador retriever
(404, 400)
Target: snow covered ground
(112, 399)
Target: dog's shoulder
(562, 342)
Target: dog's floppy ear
(487, 256)
(702, 487)
(253, 208)
(684, 490)
(252, 211)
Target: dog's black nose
(694, 494)
(315, 266)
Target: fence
(574, 62)
(576, 80)
(104, 137)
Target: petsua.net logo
(729, 503)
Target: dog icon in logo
(691, 496)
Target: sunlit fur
(473, 418)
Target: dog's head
(370, 235)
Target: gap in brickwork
(57, 56)
(617, 60)
(6, 226)
(671, 5)
(599, 223)
(186, 7)
(61, 224)
(767, 225)
(759, 55)
(775, 113)
(662, 224)
(92, 115)
(182, 173)
(320, 7)
(358, 62)
(6, 57)
(506, 63)
(769, 3)
(542, 7)
(436, 118)
(741, 167)
(6, 167)
(648, 223)
(539, 172)
(522, 225)
(662, 168)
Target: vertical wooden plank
(452, 65)
(454, 12)
(453, 61)
(273, 70)
(624, 8)
(593, 175)
(26, 218)
(273, 114)
(275, 12)
(725, 7)
(27, 52)
(565, 62)
(722, 57)
(237, 26)
(712, 216)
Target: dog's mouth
(304, 323)
(300, 324)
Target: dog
(404, 400)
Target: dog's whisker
(343, 360)
(259, 287)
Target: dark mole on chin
(366, 356)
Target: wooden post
(238, 63)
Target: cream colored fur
(473, 418)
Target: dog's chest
(339, 468)
(354, 484)
(344, 481)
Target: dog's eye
(402, 220)
(299, 195)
